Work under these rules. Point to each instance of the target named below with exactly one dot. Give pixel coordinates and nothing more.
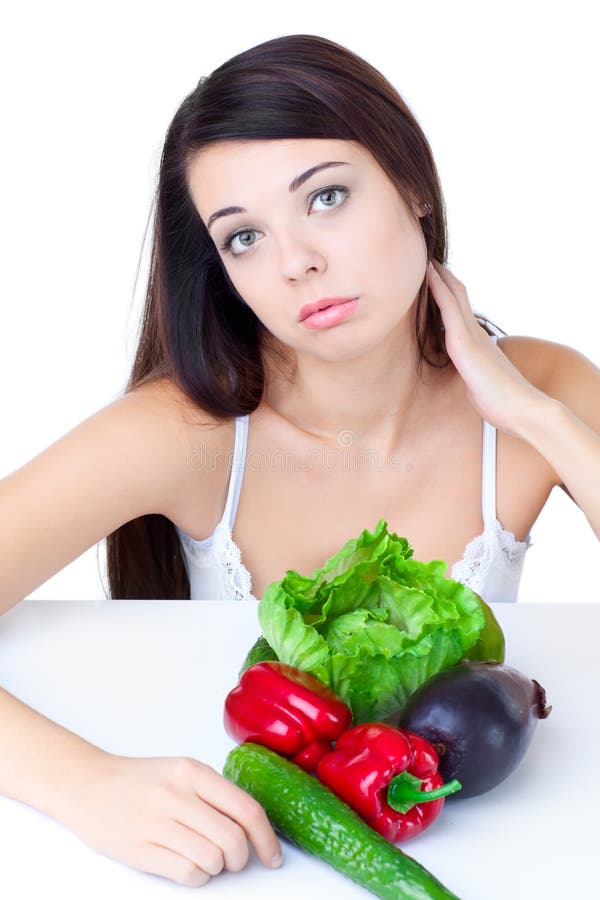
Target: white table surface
(149, 678)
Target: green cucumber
(260, 651)
(311, 816)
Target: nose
(299, 255)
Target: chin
(354, 344)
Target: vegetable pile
(375, 635)
(373, 624)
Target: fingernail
(277, 860)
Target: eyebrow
(296, 183)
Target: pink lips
(323, 303)
(326, 318)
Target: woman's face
(344, 232)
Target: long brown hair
(195, 327)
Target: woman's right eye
(226, 245)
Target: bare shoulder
(560, 371)
(180, 425)
(533, 357)
(195, 457)
(173, 413)
(163, 399)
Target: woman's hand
(496, 389)
(174, 817)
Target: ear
(420, 207)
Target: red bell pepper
(287, 710)
(389, 777)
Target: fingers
(243, 809)
(161, 861)
(452, 316)
(196, 848)
(207, 828)
(451, 296)
(449, 279)
(205, 835)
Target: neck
(369, 402)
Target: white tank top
(491, 565)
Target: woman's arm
(171, 816)
(122, 462)
(557, 411)
(564, 426)
(41, 763)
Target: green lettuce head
(374, 624)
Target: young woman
(257, 434)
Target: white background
(506, 94)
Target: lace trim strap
(237, 577)
(495, 546)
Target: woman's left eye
(334, 189)
(331, 190)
